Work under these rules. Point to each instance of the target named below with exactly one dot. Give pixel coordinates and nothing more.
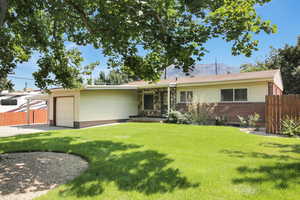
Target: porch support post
(28, 111)
(169, 100)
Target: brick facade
(96, 123)
(232, 110)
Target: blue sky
(284, 13)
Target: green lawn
(172, 162)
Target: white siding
(107, 105)
(211, 94)
(278, 80)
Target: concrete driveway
(6, 131)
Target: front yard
(172, 162)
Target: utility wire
(20, 77)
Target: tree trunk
(3, 10)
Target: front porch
(147, 119)
(156, 102)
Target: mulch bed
(29, 175)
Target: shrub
(221, 120)
(290, 126)
(173, 116)
(185, 118)
(179, 118)
(202, 114)
(253, 119)
(243, 121)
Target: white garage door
(65, 111)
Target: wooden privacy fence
(279, 107)
(18, 118)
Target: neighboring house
(233, 94)
(17, 101)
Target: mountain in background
(202, 69)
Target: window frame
(186, 96)
(234, 91)
(234, 97)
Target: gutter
(111, 87)
(224, 82)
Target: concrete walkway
(6, 131)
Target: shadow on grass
(283, 172)
(128, 166)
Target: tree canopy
(141, 37)
(6, 84)
(114, 77)
(249, 67)
(287, 59)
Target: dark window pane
(9, 102)
(240, 94)
(227, 95)
(183, 97)
(190, 97)
(148, 101)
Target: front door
(164, 103)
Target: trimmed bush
(179, 118)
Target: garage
(65, 111)
(92, 105)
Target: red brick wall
(231, 110)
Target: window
(234, 94)
(9, 102)
(240, 95)
(227, 95)
(148, 101)
(186, 97)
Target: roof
(211, 79)
(99, 87)
(110, 87)
(270, 75)
(38, 97)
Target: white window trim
(186, 91)
(234, 101)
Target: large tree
(114, 77)
(6, 84)
(168, 31)
(287, 59)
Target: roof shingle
(212, 78)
